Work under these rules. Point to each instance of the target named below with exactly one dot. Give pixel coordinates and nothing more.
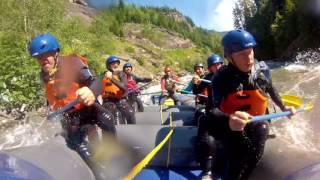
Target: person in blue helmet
(199, 73)
(115, 92)
(133, 89)
(67, 78)
(238, 92)
(214, 63)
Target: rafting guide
(238, 92)
(66, 79)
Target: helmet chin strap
(232, 60)
(109, 68)
(55, 67)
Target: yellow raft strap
(161, 115)
(154, 151)
(169, 145)
(148, 158)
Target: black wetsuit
(78, 125)
(117, 106)
(199, 89)
(240, 151)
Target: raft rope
(169, 145)
(142, 164)
(161, 115)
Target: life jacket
(170, 84)
(205, 91)
(254, 102)
(250, 101)
(132, 85)
(111, 90)
(82, 58)
(60, 92)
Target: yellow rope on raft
(169, 145)
(148, 158)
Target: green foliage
(23, 19)
(19, 78)
(141, 61)
(183, 59)
(277, 24)
(19, 81)
(129, 49)
(162, 17)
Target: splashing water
(301, 78)
(297, 135)
(26, 132)
(21, 135)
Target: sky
(209, 14)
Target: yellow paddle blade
(290, 100)
(169, 102)
(308, 107)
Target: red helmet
(167, 69)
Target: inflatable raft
(177, 158)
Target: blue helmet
(237, 40)
(214, 59)
(112, 59)
(42, 44)
(126, 65)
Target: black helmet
(197, 65)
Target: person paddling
(115, 92)
(133, 89)
(168, 86)
(67, 78)
(239, 91)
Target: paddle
(139, 88)
(63, 109)
(189, 92)
(159, 92)
(288, 100)
(205, 80)
(275, 115)
(179, 83)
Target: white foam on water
(297, 134)
(21, 135)
(296, 68)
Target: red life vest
(62, 91)
(111, 90)
(132, 85)
(250, 101)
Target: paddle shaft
(63, 109)
(205, 80)
(189, 92)
(159, 92)
(138, 88)
(274, 115)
